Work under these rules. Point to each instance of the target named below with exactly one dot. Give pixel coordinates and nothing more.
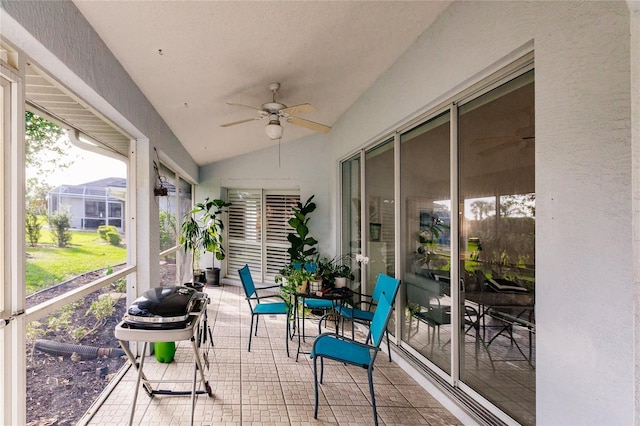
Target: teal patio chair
(363, 311)
(348, 351)
(258, 308)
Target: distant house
(101, 202)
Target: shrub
(113, 238)
(60, 223)
(101, 309)
(33, 227)
(167, 230)
(120, 285)
(79, 333)
(109, 234)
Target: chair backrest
(311, 267)
(385, 306)
(387, 286)
(247, 281)
(307, 266)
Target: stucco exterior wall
(584, 289)
(303, 165)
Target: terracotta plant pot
(302, 288)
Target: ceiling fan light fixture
(273, 130)
(275, 110)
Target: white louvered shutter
(258, 228)
(245, 233)
(277, 214)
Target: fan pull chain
(279, 139)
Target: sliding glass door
(380, 218)
(351, 215)
(468, 308)
(380, 215)
(426, 243)
(497, 246)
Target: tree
(518, 205)
(36, 196)
(46, 150)
(482, 209)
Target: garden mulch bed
(60, 388)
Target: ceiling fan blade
(241, 121)
(491, 140)
(526, 132)
(299, 109)
(246, 106)
(309, 124)
(519, 144)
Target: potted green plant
(431, 227)
(302, 245)
(336, 271)
(299, 279)
(343, 273)
(202, 230)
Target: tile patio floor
(264, 386)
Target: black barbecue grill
(165, 314)
(164, 308)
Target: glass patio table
(335, 296)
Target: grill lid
(164, 305)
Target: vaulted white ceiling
(192, 57)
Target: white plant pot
(315, 286)
(341, 282)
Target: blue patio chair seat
(343, 350)
(260, 306)
(318, 304)
(358, 314)
(348, 351)
(274, 308)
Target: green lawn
(47, 264)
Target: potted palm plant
(204, 233)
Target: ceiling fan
(522, 137)
(275, 111)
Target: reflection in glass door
(497, 246)
(351, 224)
(379, 208)
(185, 203)
(426, 243)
